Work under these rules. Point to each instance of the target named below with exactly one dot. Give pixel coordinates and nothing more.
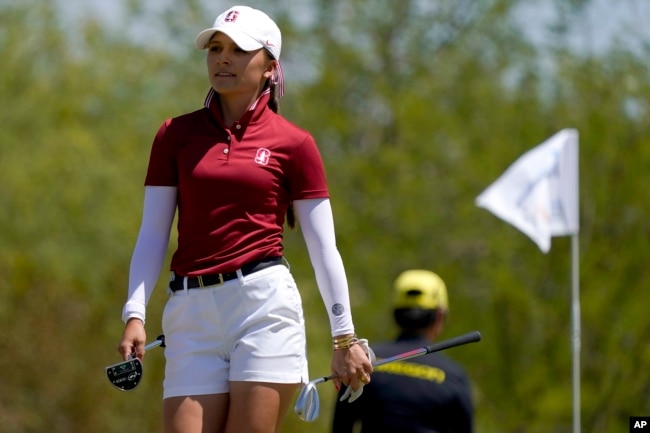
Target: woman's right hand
(134, 339)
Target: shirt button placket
(226, 150)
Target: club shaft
(153, 344)
(160, 341)
(470, 337)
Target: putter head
(125, 375)
(308, 404)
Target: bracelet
(345, 342)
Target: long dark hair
(274, 100)
(274, 105)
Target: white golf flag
(538, 193)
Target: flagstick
(575, 315)
(540, 181)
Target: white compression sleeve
(150, 249)
(317, 225)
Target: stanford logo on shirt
(262, 157)
(231, 16)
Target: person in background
(428, 394)
(237, 171)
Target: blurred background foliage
(417, 107)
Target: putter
(126, 375)
(308, 404)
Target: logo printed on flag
(538, 193)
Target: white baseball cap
(249, 28)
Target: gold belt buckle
(201, 284)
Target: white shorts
(251, 328)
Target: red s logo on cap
(231, 16)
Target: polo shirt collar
(253, 113)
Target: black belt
(215, 279)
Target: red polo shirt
(234, 185)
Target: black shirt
(427, 394)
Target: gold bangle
(344, 339)
(345, 342)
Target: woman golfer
(235, 169)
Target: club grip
(470, 337)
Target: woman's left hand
(352, 367)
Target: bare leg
(257, 407)
(196, 414)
